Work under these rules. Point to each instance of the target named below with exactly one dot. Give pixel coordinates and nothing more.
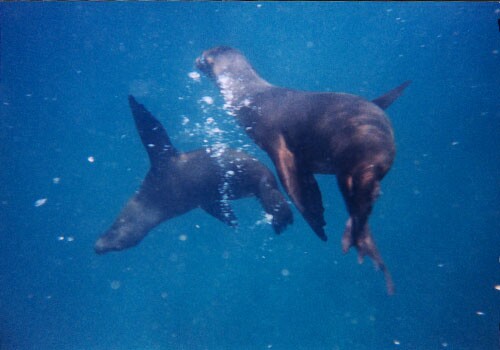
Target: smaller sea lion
(179, 182)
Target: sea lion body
(338, 143)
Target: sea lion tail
(387, 99)
(274, 204)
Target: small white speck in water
(194, 75)
(40, 202)
(208, 100)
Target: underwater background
(71, 157)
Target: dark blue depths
(66, 69)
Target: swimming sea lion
(179, 182)
(307, 133)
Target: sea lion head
(233, 74)
(220, 60)
(131, 226)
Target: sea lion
(179, 182)
(307, 133)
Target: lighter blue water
(67, 136)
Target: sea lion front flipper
(221, 210)
(153, 136)
(274, 203)
(300, 186)
(388, 98)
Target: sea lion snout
(104, 245)
(111, 241)
(217, 59)
(205, 62)
(203, 66)
(122, 235)
(200, 62)
(100, 246)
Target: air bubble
(208, 100)
(194, 75)
(40, 202)
(115, 284)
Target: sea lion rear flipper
(366, 247)
(221, 210)
(153, 136)
(387, 99)
(301, 187)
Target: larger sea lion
(179, 182)
(306, 133)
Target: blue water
(193, 283)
